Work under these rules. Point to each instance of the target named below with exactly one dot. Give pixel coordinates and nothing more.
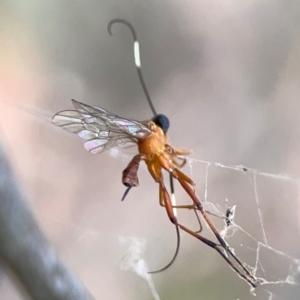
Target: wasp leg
(178, 164)
(161, 203)
(186, 186)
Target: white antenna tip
(137, 59)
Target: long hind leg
(186, 184)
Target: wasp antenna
(175, 255)
(137, 58)
(110, 24)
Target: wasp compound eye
(162, 121)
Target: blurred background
(227, 75)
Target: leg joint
(174, 220)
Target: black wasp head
(162, 121)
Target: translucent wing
(99, 127)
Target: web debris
(274, 257)
(133, 261)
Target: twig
(25, 250)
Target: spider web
(262, 232)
